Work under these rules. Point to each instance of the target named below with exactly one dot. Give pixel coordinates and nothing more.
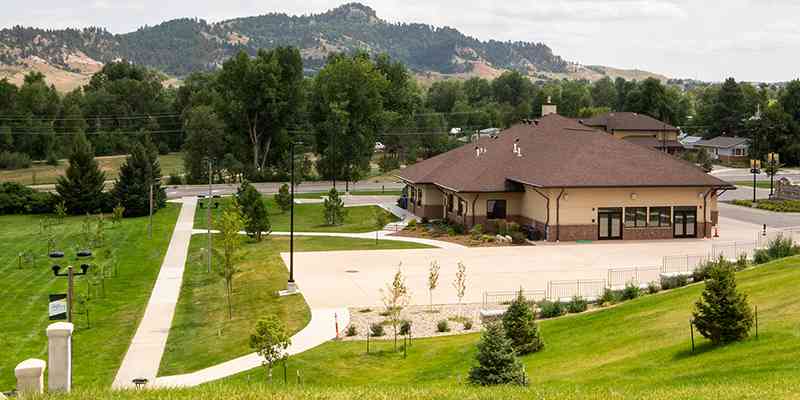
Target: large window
(496, 209)
(660, 216)
(635, 217)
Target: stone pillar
(59, 353)
(30, 376)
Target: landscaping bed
(792, 206)
(506, 235)
(424, 320)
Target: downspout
(558, 215)
(706, 213)
(473, 207)
(547, 200)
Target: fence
(734, 250)
(506, 296)
(589, 289)
(639, 276)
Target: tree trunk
(256, 145)
(266, 152)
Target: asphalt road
(733, 175)
(273, 187)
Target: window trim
(636, 221)
(505, 208)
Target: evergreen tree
(132, 189)
(284, 198)
(81, 188)
(254, 210)
(722, 315)
(334, 209)
(497, 362)
(728, 110)
(520, 326)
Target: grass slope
(202, 335)
(637, 348)
(307, 217)
(98, 350)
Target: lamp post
(70, 274)
(291, 286)
(755, 169)
(773, 159)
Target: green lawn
(791, 206)
(98, 350)
(307, 217)
(759, 184)
(353, 193)
(42, 174)
(639, 348)
(202, 335)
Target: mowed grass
(318, 195)
(639, 349)
(759, 184)
(43, 174)
(97, 350)
(202, 335)
(307, 217)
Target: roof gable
(627, 121)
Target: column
(30, 376)
(59, 353)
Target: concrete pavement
(144, 353)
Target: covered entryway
(685, 222)
(609, 223)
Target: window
(635, 217)
(419, 197)
(450, 205)
(659, 216)
(496, 209)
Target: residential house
(638, 128)
(726, 148)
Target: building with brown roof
(569, 182)
(638, 128)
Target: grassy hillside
(98, 349)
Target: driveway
(354, 278)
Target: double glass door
(684, 222)
(609, 223)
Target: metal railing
(618, 278)
(505, 297)
(585, 288)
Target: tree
(728, 110)
(284, 198)
(205, 140)
(254, 211)
(270, 341)
(604, 93)
(81, 188)
(703, 159)
(230, 223)
(460, 283)
(380, 221)
(433, 281)
(520, 326)
(790, 100)
(333, 209)
(497, 362)
(395, 298)
(722, 315)
(132, 188)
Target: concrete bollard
(30, 376)
(59, 356)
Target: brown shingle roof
(653, 143)
(627, 121)
(558, 152)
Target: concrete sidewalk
(144, 354)
(321, 328)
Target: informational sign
(58, 307)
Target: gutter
(706, 213)
(558, 215)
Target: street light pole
(291, 286)
(755, 169)
(773, 159)
(208, 216)
(70, 274)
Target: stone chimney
(549, 108)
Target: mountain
(182, 46)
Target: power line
(90, 118)
(120, 133)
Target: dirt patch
(423, 320)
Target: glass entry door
(685, 222)
(609, 223)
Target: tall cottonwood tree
(262, 95)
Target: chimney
(548, 108)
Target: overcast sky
(755, 40)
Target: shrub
(405, 327)
(451, 231)
(741, 262)
(497, 363)
(284, 198)
(701, 272)
(779, 247)
(351, 331)
(513, 227)
(376, 330)
(51, 158)
(517, 237)
(502, 227)
(551, 309)
(743, 203)
(608, 297)
(10, 160)
(442, 326)
(476, 232)
(412, 225)
(254, 210)
(333, 209)
(520, 326)
(672, 282)
(722, 315)
(467, 324)
(175, 179)
(653, 287)
(631, 291)
(779, 205)
(458, 229)
(425, 220)
(19, 199)
(577, 305)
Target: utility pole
(208, 216)
(150, 223)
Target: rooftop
(627, 121)
(723, 142)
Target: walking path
(382, 235)
(147, 347)
(323, 326)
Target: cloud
(600, 11)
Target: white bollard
(59, 356)
(30, 376)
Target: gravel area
(423, 320)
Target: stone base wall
(715, 217)
(784, 190)
(647, 233)
(571, 233)
(426, 211)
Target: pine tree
(497, 362)
(334, 209)
(284, 198)
(722, 315)
(132, 188)
(254, 210)
(520, 326)
(81, 188)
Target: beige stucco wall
(656, 134)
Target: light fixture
(634, 196)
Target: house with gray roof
(726, 148)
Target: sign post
(57, 309)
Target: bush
(551, 309)
(442, 326)
(458, 229)
(19, 199)
(741, 262)
(520, 327)
(405, 327)
(631, 291)
(609, 297)
(779, 205)
(376, 330)
(351, 331)
(333, 209)
(722, 315)
(497, 363)
(425, 220)
(175, 179)
(412, 225)
(673, 282)
(517, 237)
(284, 198)
(577, 305)
(653, 287)
(743, 203)
(451, 231)
(476, 232)
(467, 324)
(10, 160)
(779, 247)
(701, 271)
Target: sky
(751, 40)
